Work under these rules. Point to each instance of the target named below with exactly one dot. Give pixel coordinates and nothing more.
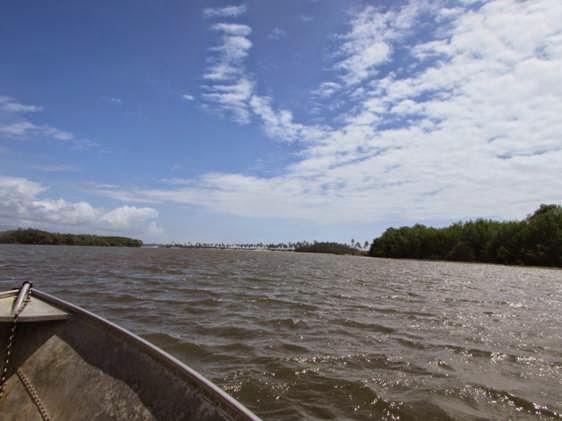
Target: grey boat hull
(87, 368)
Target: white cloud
(24, 128)
(369, 42)
(14, 124)
(233, 49)
(55, 168)
(129, 218)
(188, 97)
(280, 124)
(17, 188)
(229, 88)
(21, 205)
(176, 181)
(87, 144)
(115, 100)
(55, 133)
(227, 61)
(224, 12)
(471, 129)
(234, 29)
(17, 129)
(10, 105)
(326, 89)
(277, 33)
(232, 98)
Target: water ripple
(303, 336)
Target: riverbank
(39, 237)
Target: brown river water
(310, 336)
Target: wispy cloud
(231, 98)
(458, 134)
(83, 144)
(224, 12)
(234, 29)
(24, 128)
(10, 105)
(228, 56)
(228, 87)
(56, 168)
(326, 89)
(188, 97)
(16, 124)
(115, 100)
(277, 33)
(280, 124)
(13, 123)
(232, 91)
(369, 43)
(177, 181)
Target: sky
(277, 121)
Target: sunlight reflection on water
(319, 336)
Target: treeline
(289, 246)
(536, 240)
(33, 236)
(327, 247)
(246, 246)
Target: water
(311, 336)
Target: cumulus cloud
(129, 218)
(22, 204)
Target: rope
(34, 395)
(10, 343)
(8, 352)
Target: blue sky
(277, 121)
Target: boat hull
(86, 367)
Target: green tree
(537, 240)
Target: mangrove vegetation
(536, 240)
(327, 247)
(34, 236)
